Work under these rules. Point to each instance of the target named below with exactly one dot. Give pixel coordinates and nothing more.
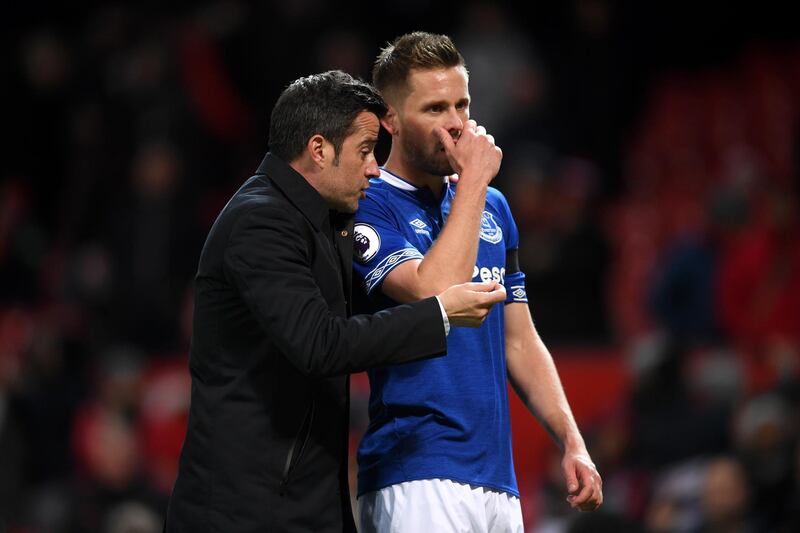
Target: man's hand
(468, 304)
(584, 484)
(474, 157)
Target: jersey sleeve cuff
(515, 288)
(387, 264)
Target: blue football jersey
(445, 417)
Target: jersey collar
(422, 193)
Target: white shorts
(438, 505)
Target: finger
(496, 296)
(480, 130)
(480, 286)
(583, 496)
(445, 138)
(571, 477)
(599, 492)
(593, 502)
(471, 125)
(590, 480)
(491, 138)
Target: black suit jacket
(266, 447)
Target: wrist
(573, 443)
(470, 191)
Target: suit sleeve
(269, 264)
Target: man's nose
(453, 123)
(372, 170)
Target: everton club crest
(491, 232)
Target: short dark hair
(325, 104)
(417, 50)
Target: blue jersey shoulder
(496, 199)
(378, 200)
(379, 191)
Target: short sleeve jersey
(445, 417)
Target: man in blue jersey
(437, 453)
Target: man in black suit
(266, 447)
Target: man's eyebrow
(444, 102)
(369, 140)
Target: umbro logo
(420, 227)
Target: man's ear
(389, 121)
(316, 150)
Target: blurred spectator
(163, 410)
(507, 83)
(110, 459)
(759, 276)
(15, 330)
(716, 378)
(41, 91)
(22, 243)
(793, 510)
(604, 522)
(764, 441)
(682, 294)
(108, 451)
(553, 511)
(675, 498)
(625, 486)
(155, 244)
(726, 499)
(591, 87)
(663, 407)
(562, 251)
(132, 517)
(49, 389)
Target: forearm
(533, 374)
(452, 257)
(543, 394)
(272, 273)
(450, 260)
(336, 346)
(534, 377)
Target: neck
(399, 166)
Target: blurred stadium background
(652, 160)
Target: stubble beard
(429, 160)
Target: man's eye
(436, 109)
